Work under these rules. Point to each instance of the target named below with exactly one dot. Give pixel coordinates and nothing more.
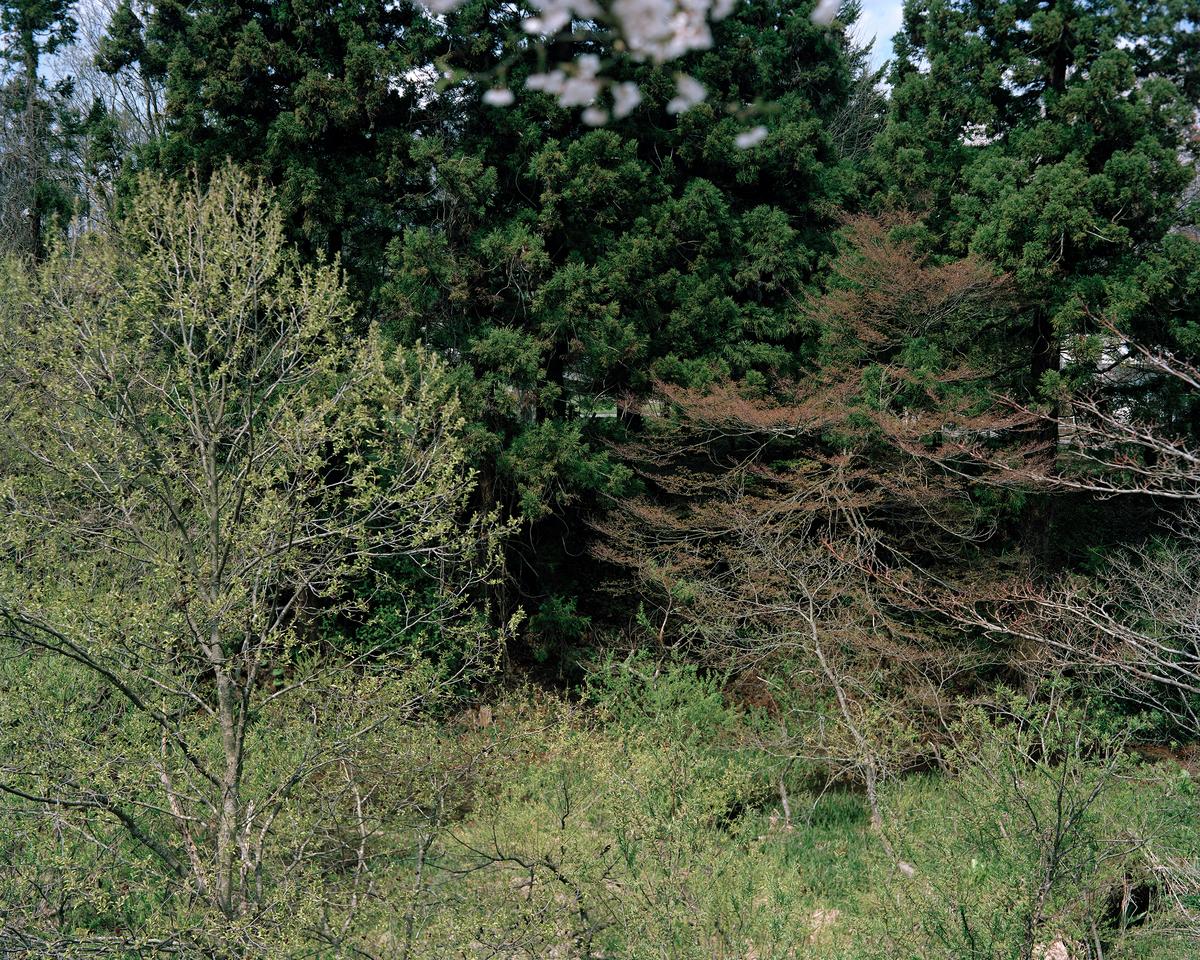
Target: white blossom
(544, 24)
(440, 7)
(626, 97)
(658, 30)
(655, 30)
(582, 87)
(579, 92)
(688, 92)
(662, 30)
(551, 82)
(556, 15)
(750, 138)
(578, 88)
(826, 12)
(498, 97)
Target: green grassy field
(641, 826)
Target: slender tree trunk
(227, 895)
(1040, 513)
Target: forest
(599, 479)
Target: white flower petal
(588, 65)
(441, 6)
(551, 82)
(690, 92)
(579, 92)
(626, 97)
(661, 30)
(750, 138)
(825, 12)
(498, 97)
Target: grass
(640, 828)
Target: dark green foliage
(36, 28)
(320, 98)
(1050, 139)
(572, 267)
(1047, 138)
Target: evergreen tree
(34, 122)
(324, 100)
(570, 268)
(1047, 136)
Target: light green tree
(198, 460)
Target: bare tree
(117, 88)
(774, 526)
(1132, 625)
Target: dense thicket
(435, 524)
(562, 267)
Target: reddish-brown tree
(784, 536)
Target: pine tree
(323, 100)
(33, 122)
(1047, 136)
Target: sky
(880, 19)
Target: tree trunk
(228, 895)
